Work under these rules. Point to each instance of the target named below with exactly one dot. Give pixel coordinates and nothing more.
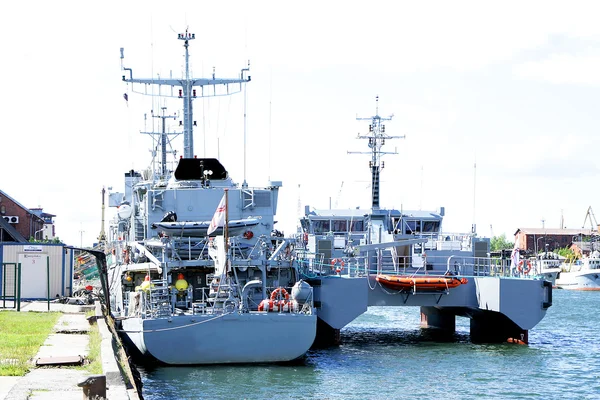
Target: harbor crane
(590, 215)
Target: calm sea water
(385, 355)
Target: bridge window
(339, 225)
(321, 226)
(357, 226)
(413, 226)
(431, 226)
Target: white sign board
(33, 248)
(34, 276)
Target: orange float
(430, 283)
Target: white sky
(512, 86)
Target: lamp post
(36, 232)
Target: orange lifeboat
(429, 283)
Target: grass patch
(21, 335)
(94, 364)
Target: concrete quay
(68, 341)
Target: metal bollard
(94, 387)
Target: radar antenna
(162, 142)
(377, 137)
(209, 87)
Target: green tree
(55, 240)
(568, 253)
(500, 243)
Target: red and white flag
(514, 257)
(219, 218)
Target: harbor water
(386, 355)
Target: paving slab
(48, 381)
(42, 306)
(66, 345)
(6, 384)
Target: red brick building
(534, 240)
(17, 222)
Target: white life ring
(334, 266)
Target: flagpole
(226, 227)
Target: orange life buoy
(248, 235)
(335, 268)
(525, 269)
(280, 291)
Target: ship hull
(223, 339)
(589, 280)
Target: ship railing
(310, 264)
(447, 265)
(180, 249)
(224, 303)
(218, 298)
(184, 247)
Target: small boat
(583, 274)
(428, 283)
(200, 228)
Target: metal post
(94, 387)
(19, 287)
(3, 285)
(48, 280)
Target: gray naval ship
(194, 274)
(387, 257)
(197, 273)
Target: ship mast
(102, 235)
(163, 140)
(377, 139)
(211, 87)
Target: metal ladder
(160, 300)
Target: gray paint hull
(219, 339)
(521, 300)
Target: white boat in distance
(583, 274)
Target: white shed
(44, 271)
